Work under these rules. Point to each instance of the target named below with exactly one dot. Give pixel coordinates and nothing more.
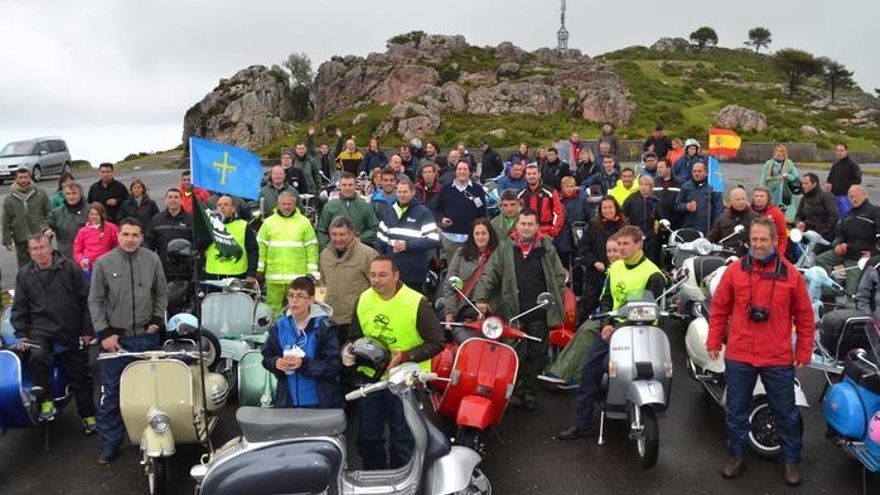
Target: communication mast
(562, 34)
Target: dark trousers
(594, 367)
(109, 416)
(779, 384)
(75, 364)
(651, 247)
(532, 357)
(374, 412)
(21, 254)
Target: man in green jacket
(277, 185)
(526, 265)
(288, 250)
(24, 211)
(307, 163)
(505, 221)
(351, 206)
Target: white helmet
(692, 142)
(179, 319)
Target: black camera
(759, 314)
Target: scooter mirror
(738, 229)
(796, 235)
(863, 261)
(545, 299)
(456, 282)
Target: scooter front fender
(476, 412)
(156, 444)
(645, 392)
(452, 472)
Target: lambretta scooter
(763, 438)
(477, 373)
(852, 408)
(303, 451)
(167, 398)
(639, 373)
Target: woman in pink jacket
(95, 239)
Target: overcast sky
(117, 76)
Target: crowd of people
(565, 212)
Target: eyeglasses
(298, 295)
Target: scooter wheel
(211, 348)
(158, 476)
(648, 444)
(763, 437)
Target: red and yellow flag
(723, 142)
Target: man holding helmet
(404, 321)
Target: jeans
(532, 357)
(75, 363)
(594, 367)
(373, 413)
(779, 383)
(109, 416)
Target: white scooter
(763, 439)
(303, 451)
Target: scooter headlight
(703, 247)
(493, 327)
(160, 422)
(642, 313)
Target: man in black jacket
(51, 310)
(491, 165)
(642, 210)
(856, 238)
(817, 209)
(843, 174)
(108, 191)
(658, 142)
(173, 223)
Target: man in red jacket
(188, 190)
(758, 299)
(544, 200)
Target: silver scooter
(639, 373)
(303, 451)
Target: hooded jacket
(775, 214)
(316, 382)
(311, 170)
(52, 304)
(93, 241)
(765, 343)
(682, 168)
(507, 182)
(710, 205)
(601, 183)
(288, 248)
(24, 210)
(128, 292)
(346, 277)
(65, 221)
(373, 159)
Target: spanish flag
(723, 142)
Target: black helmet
(179, 248)
(371, 358)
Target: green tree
(877, 92)
(704, 36)
(798, 66)
(759, 37)
(836, 76)
(301, 78)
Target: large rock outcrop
(742, 118)
(249, 110)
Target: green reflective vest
(393, 321)
(216, 266)
(623, 280)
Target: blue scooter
(19, 407)
(852, 407)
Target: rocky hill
(441, 87)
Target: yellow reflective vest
(394, 321)
(230, 267)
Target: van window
(57, 146)
(44, 146)
(19, 148)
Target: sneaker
(107, 455)
(733, 468)
(47, 410)
(551, 378)
(90, 425)
(792, 475)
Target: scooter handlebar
(366, 390)
(600, 316)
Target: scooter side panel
(301, 467)
(254, 381)
(844, 411)
(14, 402)
(485, 368)
(166, 385)
(452, 472)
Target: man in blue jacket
(302, 351)
(697, 202)
(515, 178)
(408, 232)
(681, 169)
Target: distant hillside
(439, 87)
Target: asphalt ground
(522, 455)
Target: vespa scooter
(303, 451)
(165, 402)
(476, 373)
(639, 374)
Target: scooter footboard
(646, 392)
(452, 472)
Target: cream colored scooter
(165, 403)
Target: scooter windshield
(873, 332)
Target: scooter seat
(263, 425)
(857, 371)
(705, 265)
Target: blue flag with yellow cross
(225, 169)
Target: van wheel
(37, 174)
(65, 168)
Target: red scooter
(476, 372)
